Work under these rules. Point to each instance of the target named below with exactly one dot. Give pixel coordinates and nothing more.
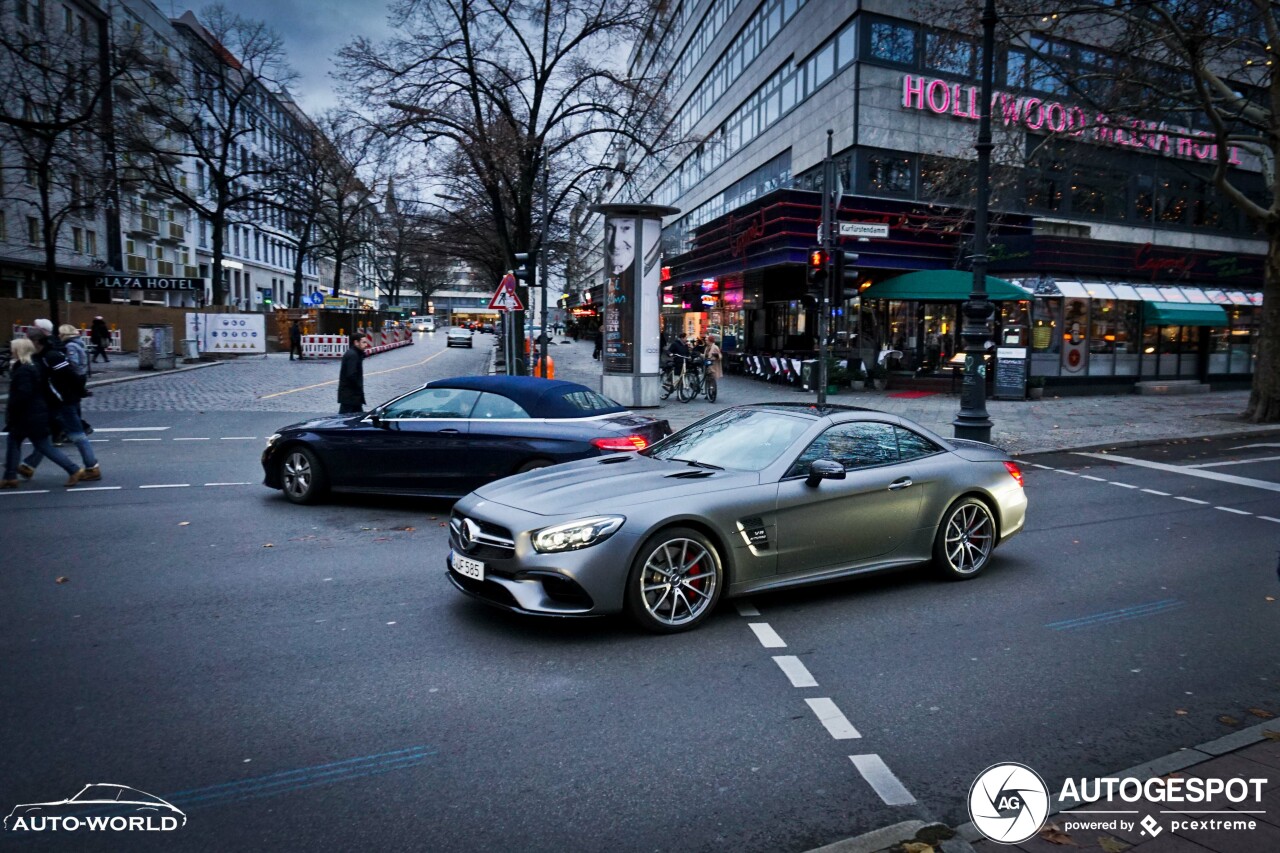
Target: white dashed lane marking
(1191, 500)
(882, 780)
(1122, 485)
(767, 636)
(1236, 511)
(1091, 477)
(167, 486)
(795, 671)
(191, 439)
(228, 484)
(1187, 472)
(1156, 492)
(79, 489)
(239, 438)
(20, 492)
(833, 718)
(1196, 501)
(140, 439)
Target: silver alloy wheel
(297, 475)
(969, 538)
(678, 582)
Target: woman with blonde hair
(27, 416)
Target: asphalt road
(305, 678)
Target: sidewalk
(1252, 753)
(1055, 423)
(123, 367)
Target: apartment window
(893, 42)
(90, 242)
(68, 20)
(236, 242)
(33, 231)
(84, 30)
(77, 240)
(888, 174)
(948, 54)
(29, 173)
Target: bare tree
(54, 124)
(217, 120)
(349, 165)
(496, 91)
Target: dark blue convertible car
(451, 436)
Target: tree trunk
(338, 258)
(49, 235)
(219, 296)
(1264, 400)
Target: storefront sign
(146, 282)
(942, 97)
(745, 232)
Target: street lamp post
(972, 421)
(542, 270)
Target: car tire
(965, 540)
(302, 477)
(698, 587)
(534, 465)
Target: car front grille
(491, 543)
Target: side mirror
(824, 469)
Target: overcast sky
(313, 30)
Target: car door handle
(899, 484)
(448, 431)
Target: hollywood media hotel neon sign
(942, 97)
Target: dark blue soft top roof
(541, 398)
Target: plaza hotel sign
(145, 282)
(944, 98)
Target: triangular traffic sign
(505, 297)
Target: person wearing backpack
(27, 417)
(62, 391)
(78, 356)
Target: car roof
(541, 398)
(808, 409)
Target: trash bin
(155, 347)
(190, 350)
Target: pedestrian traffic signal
(846, 274)
(524, 267)
(817, 265)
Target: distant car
(101, 800)
(487, 328)
(451, 436)
(749, 499)
(458, 337)
(421, 325)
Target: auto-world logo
(1008, 803)
(101, 807)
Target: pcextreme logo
(101, 807)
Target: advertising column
(632, 301)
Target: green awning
(1183, 314)
(942, 286)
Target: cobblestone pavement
(272, 383)
(1055, 423)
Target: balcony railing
(150, 224)
(176, 232)
(135, 263)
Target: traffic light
(817, 266)
(524, 267)
(847, 272)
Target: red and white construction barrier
(114, 346)
(333, 346)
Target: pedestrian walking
(715, 356)
(100, 337)
(295, 341)
(351, 376)
(599, 344)
(27, 417)
(63, 390)
(78, 358)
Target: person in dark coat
(295, 341)
(100, 337)
(351, 376)
(599, 344)
(27, 416)
(63, 391)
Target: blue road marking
(1109, 616)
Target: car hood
(610, 483)
(330, 422)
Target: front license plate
(468, 567)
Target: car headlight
(273, 438)
(576, 534)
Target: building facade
(1129, 265)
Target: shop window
(888, 175)
(1174, 200)
(893, 42)
(948, 54)
(1099, 192)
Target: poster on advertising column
(619, 294)
(230, 334)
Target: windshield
(741, 440)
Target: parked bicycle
(687, 377)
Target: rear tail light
(1015, 472)
(629, 442)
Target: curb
(936, 835)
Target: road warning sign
(505, 297)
